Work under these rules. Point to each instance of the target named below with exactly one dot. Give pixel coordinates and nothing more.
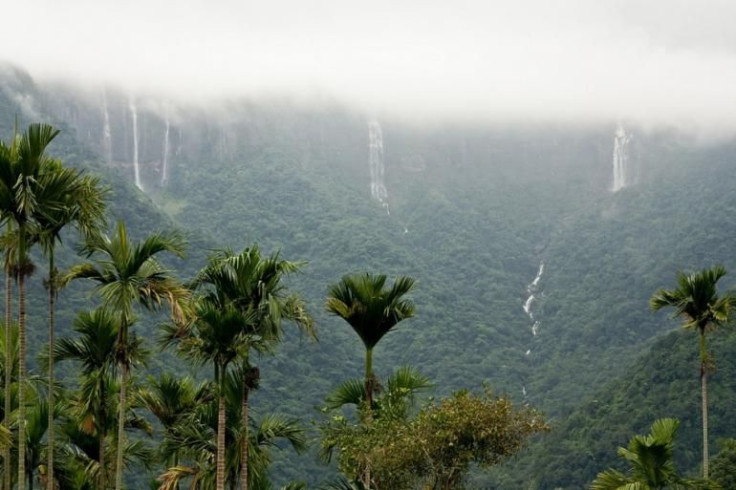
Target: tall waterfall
(106, 132)
(136, 167)
(165, 161)
(621, 177)
(375, 160)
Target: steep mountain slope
(662, 382)
(471, 212)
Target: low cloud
(660, 62)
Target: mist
(658, 63)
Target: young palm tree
(77, 199)
(697, 302)
(127, 275)
(171, 400)
(372, 310)
(651, 460)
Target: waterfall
(375, 160)
(621, 159)
(532, 290)
(136, 167)
(106, 132)
(165, 162)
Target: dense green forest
(471, 213)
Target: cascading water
(621, 142)
(165, 161)
(532, 290)
(375, 160)
(106, 132)
(136, 167)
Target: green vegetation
(473, 212)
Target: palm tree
(95, 350)
(171, 400)
(192, 437)
(254, 285)
(652, 465)
(216, 337)
(372, 310)
(77, 199)
(10, 371)
(23, 165)
(127, 274)
(8, 353)
(395, 401)
(697, 302)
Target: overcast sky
(653, 61)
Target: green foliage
(696, 299)
(368, 307)
(651, 462)
(723, 465)
(435, 447)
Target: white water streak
(621, 169)
(531, 290)
(106, 131)
(136, 167)
(167, 149)
(375, 161)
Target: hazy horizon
(669, 63)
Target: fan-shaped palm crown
(369, 307)
(696, 299)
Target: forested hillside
(472, 212)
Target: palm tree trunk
(220, 477)
(9, 364)
(50, 429)
(121, 427)
(368, 408)
(704, 390)
(246, 442)
(369, 384)
(101, 462)
(21, 379)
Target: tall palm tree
(697, 302)
(254, 285)
(23, 165)
(9, 357)
(372, 310)
(128, 275)
(77, 199)
(95, 349)
(10, 374)
(217, 337)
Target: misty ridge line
(653, 64)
